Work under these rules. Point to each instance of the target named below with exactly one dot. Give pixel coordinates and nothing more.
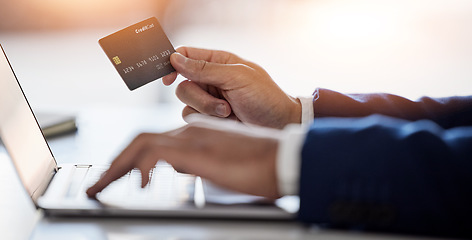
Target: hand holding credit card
(140, 52)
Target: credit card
(140, 52)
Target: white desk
(102, 133)
(130, 229)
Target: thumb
(201, 71)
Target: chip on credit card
(140, 52)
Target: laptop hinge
(44, 184)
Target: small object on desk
(54, 125)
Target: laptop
(60, 189)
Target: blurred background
(406, 47)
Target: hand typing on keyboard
(241, 159)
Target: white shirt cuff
(289, 159)
(307, 110)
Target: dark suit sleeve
(387, 174)
(446, 112)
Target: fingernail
(221, 110)
(179, 58)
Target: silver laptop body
(60, 190)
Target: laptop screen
(21, 134)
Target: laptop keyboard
(166, 187)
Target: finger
(169, 148)
(208, 55)
(187, 111)
(215, 56)
(144, 175)
(120, 166)
(215, 74)
(202, 54)
(146, 161)
(143, 152)
(169, 78)
(191, 94)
